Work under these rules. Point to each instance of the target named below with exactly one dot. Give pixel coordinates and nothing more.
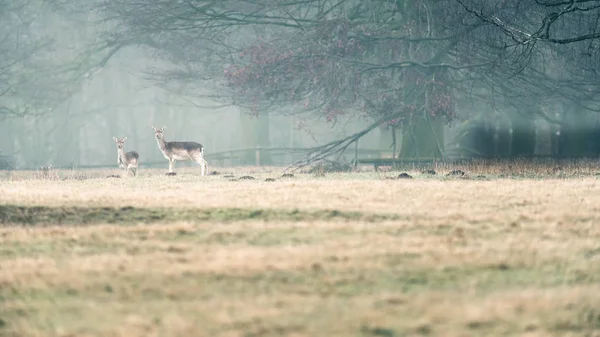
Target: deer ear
(163, 128)
(114, 138)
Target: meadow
(505, 250)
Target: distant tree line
(407, 65)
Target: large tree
(35, 75)
(44, 60)
(391, 62)
(552, 47)
(397, 63)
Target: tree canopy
(36, 72)
(368, 57)
(391, 63)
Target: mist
(296, 82)
(306, 168)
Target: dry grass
(351, 254)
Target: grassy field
(501, 251)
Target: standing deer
(126, 160)
(174, 151)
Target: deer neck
(121, 153)
(162, 144)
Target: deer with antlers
(174, 151)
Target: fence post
(257, 156)
(356, 155)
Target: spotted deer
(126, 160)
(174, 151)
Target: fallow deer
(126, 160)
(174, 151)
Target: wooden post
(394, 147)
(355, 155)
(257, 156)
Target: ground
(515, 252)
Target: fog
(119, 102)
(257, 85)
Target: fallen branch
(338, 146)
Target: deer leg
(203, 164)
(171, 165)
(202, 167)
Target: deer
(174, 151)
(126, 160)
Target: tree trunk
(423, 139)
(502, 146)
(249, 125)
(66, 139)
(483, 139)
(7, 142)
(523, 135)
(573, 141)
(575, 135)
(385, 139)
(264, 139)
(478, 140)
(31, 138)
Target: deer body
(126, 160)
(174, 151)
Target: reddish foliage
(322, 75)
(333, 114)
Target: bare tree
(361, 59)
(396, 63)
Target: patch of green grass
(322, 278)
(271, 237)
(56, 247)
(73, 215)
(339, 290)
(139, 242)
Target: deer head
(119, 142)
(159, 133)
